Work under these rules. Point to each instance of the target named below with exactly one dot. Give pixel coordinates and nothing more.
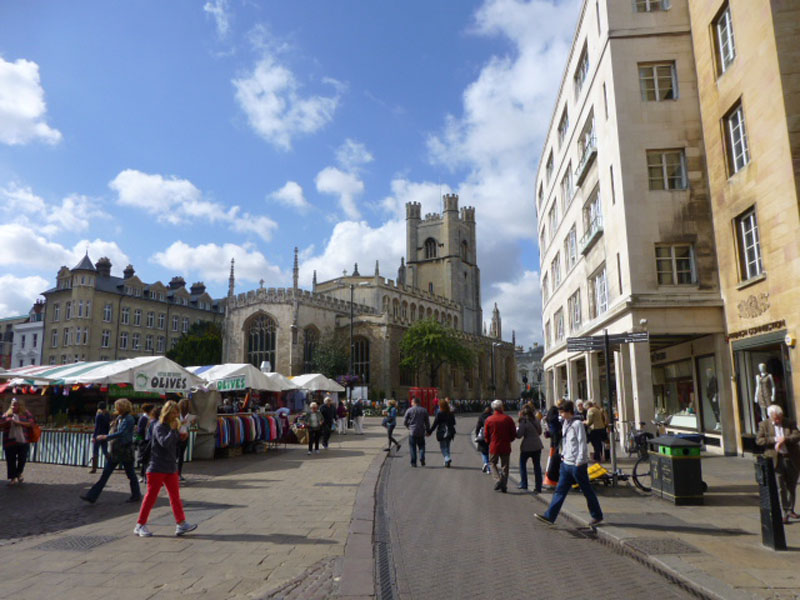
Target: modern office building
(625, 229)
(748, 69)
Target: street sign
(590, 343)
(633, 337)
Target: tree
(428, 345)
(201, 345)
(330, 356)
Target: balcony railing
(590, 237)
(589, 154)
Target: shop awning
(317, 382)
(236, 376)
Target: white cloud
(352, 155)
(291, 194)
(17, 294)
(22, 206)
(213, 262)
(179, 201)
(22, 106)
(426, 193)
(219, 11)
(520, 304)
(270, 97)
(346, 186)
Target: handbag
(480, 437)
(119, 451)
(36, 433)
(385, 422)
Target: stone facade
(28, 336)
(756, 76)
(382, 309)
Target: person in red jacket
(499, 431)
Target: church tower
(442, 257)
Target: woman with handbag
(390, 422)
(18, 426)
(445, 426)
(120, 452)
(480, 441)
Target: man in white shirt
(574, 468)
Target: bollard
(772, 534)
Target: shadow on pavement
(272, 538)
(673, 528)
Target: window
(592, 216)
(80, 309)
(598, 293)
(148, 343)
(54, 339)
(126, 315)
(558, 318)
(605, 100)
(161, 318)
(749, 244)
(666, 169)
(543, 239)
(555, 267)
(65, 341)
(571, 248)
(464, 251)
(175, 323)
(657, 82)
(160, 344)
(651, 5)
(262, 335)
(135, 341)
(552, 217)
(107, 313)
(85, 336)
(611, 178)
(539, 198)
(738, 152)
(105, 338)
(430, 248)
(547, 334)
(725, 45)
(22, 342)
(68, 311)
(574, 306)
(549, 166)
(563, 127)
(545, 287)
(123, 340)
(581, 71)
(430, 290)
(185, 328)
(137, 317)
(35, 339)
(151, 319)
(56, 312)
(310, 343)
(675, 264)
(361, 359)
(567, 190)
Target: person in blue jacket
(102, 425)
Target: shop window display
(674, 395)
(762, 380)
(709, 393)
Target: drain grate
(652, 546)
(76, 543)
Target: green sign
(232, 383)
(114, 391)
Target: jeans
(568, 475)
(444, 446)
(16, 456)
(413, 444)
(97, 488)
(389, 432)
(102, 447)
(154, 483)
(536, 457)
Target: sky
(177, 135)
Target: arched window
(429, 314)
(310, 341)
(395, 308)
(413, 312)
(436, 315)
(430, 248)
(386, 304)
(430, 287)
(464, 250)
(262, 335)
(361, 358)
(404, 310)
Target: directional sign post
(604, 343)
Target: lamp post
(350, 369)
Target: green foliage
(331, 356)
(428, 345)
(201, 345)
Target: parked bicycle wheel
(642, 474)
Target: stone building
(749, 87)
(438, 278)
(93, 315)
(625, 228)
(27, 339)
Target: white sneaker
(184, 527)
(142, 531)
(309, 452)
(316, 451)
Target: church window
(413, 312)
(404, 310)
(436, 315)
(310, 341)
(430, 248)
(361, 358)
(464, 249)
(262, 334)
(430, 287)
(395, 308)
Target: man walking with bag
(499, 431)
(574, 468)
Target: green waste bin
(675, 468)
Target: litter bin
(676, 472)
(772, 533)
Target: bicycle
(642, 469)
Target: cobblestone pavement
(452, 536)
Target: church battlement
(413, 210)
(468, 214)
(433, 217)
(284, 295)
(450, 202)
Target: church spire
(496, 328)
(231, 281)
(296, 270)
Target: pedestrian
(499, 431)
(102, 425)
(146, 443)
(187, 421)
(18, 425)
(391, 423)
(553, 419)
(142, 421)
(313, 420)
(580, 410)
(445, 426)
(163, 470)
(328, 412)
(120, 452)
(596, 425)
(574, 469)
(341, 418)
(480, 439)
(779, 437)
(417, 421)
(529, 431)
(358, 417)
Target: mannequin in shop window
(712, 393)
(765, 390)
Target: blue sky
(176, 135)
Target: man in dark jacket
(417, 421)
(780, 438)
(328, 412)
(499, 431)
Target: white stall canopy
(316, 382)
(236, 376)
